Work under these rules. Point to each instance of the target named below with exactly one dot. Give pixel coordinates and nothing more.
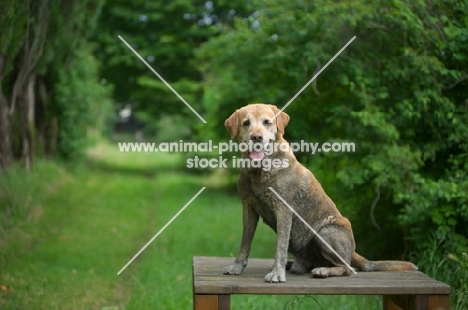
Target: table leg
(416, 302)
(212, 302)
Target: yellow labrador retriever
(256, 124)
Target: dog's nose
(256, 137)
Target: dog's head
(257, 123)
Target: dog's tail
(359, 262)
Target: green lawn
(65, 232)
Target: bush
(82, 102)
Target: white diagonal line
(161, 78)
(162, 229)
(315, 76)
(313, 230)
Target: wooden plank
(224, 302)
(208, 279)
(421, 302)
(205, 302)
(438, 302)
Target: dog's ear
(282, 120)
(231, 124)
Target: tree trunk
(5, 141)
(40, 116)
(53, 136)
(26, 112)
(22, 96)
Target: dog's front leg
(283, 230)
(250, 221)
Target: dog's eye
(246, 123)
(266, 122)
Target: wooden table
(400, 289)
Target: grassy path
(66, 258)
(66, 232)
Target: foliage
(13, 22)
(79, 100)
(398, 91)
(81, 103)
(171, 128)
(47, 78)
(166, 36)
(447, 268)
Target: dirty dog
(256, 124)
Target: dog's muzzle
(257, 146)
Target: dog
(262, 126)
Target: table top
(208, 278)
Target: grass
(451, 269)
(65, 232)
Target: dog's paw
(276, 275)
(321, 272)
(234, 269)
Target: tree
(166, 35)
(39, 43)
(22, 45)
(77, 98)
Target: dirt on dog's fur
(257, 124)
